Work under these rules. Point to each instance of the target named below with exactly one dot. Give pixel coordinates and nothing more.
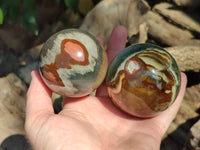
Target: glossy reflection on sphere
(73, 63)
(143, 80)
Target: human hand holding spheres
(143, 80)
(73, 63)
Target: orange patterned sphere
(73, 63)
(143, 80)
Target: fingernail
(121, 29)
(34, 73)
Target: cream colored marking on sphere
(132, 67)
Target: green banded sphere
(143, 80)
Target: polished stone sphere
(73, 63)
(143, 80)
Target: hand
(92, 122)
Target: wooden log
(180, 127)
(187, 110)
(101, 20)
(187, 57)
(25, 72)
(165, 32)
(192, 96)
(143, 33)
(31, 55)
(187, 3)
(177, 16)
(12, 106)
(194, 139)
(141, 37)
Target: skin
(93, 123)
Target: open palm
(92, 122)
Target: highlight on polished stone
(143, 80)
(73, 63)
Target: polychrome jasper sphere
(143, 80)
(73, 63)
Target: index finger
(116, 44)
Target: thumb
(38, 102)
